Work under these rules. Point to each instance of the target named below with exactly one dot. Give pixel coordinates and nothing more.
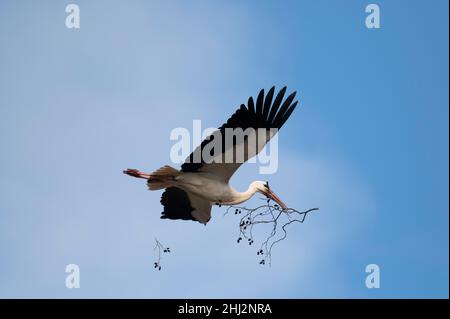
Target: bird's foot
(136, 173)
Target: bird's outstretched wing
(179, 204)
(267, 114)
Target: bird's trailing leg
(136, 173)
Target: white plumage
(191, 191)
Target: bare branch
(266, 214)
(160, 248)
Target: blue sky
(369, 145)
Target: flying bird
(191, 192)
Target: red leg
(136, 173)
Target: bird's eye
(267, 185)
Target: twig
(266, 214)
(161, 248)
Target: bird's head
(263, 188)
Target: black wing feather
(283, 109)
(176, 204)
(267, 103)
(259, 102)
(251, 106)
(276, 105)
(265, 115)
(287, 114)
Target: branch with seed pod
(161, 249)
(266, 214)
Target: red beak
(275, 198)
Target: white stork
(191, 192)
